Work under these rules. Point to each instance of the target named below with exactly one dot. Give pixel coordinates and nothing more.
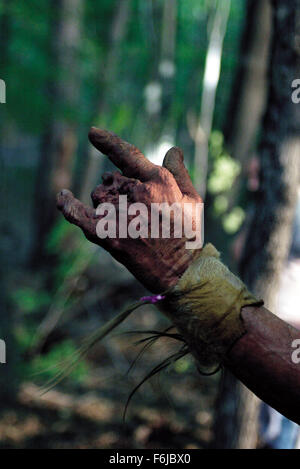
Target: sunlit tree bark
(209, 88)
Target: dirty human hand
(157, 262)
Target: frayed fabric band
(205, 306)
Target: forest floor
(172, 410)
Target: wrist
(177, 266)
(160, 269)
(205, 306)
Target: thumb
(173, 161)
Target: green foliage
(46, 366)
(183, 365)
(221, 178)
(224, 168)
(223, 174)
(35, 301)
(233, 220)
(73, 254)
(28, 68)
(58, 234)
(29, 300)
(220, 204)
(43, 368)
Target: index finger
(125, 156)
(77, 213)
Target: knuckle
(164, 175)
(146, 191)
(95, 194)
(98, 195)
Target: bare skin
(261, 359)
(157, 263)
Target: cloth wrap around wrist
(205, 306)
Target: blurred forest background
(211, 76)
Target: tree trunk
(118, 32)
(269, 235)
(167, 66)
(59, 142)
(209, 89)
(249, 93)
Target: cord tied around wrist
(205, 306)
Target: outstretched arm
(261, 357)
(262, 360)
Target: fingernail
(64, 192)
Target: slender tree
(209, 88)
(249, 93)
(248, 98)
(59, 142)
(106, 75)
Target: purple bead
(153, 299)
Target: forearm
(204, 298)
(222, 322)
(262, 360)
